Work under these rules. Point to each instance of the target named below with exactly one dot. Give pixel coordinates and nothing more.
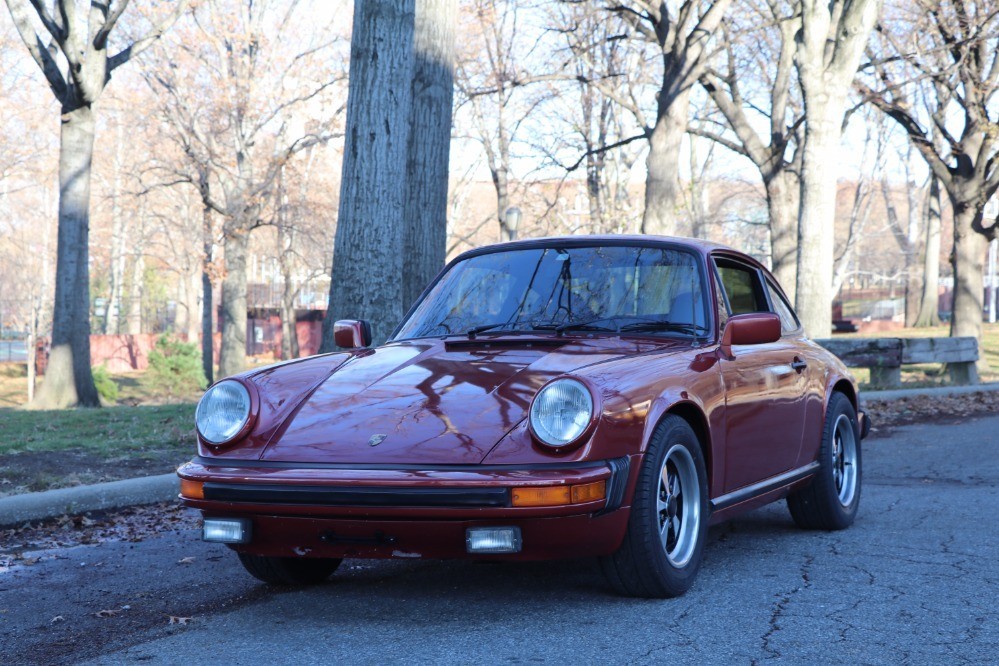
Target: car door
(765, 385)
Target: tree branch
(144, 42)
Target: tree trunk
(289, 333)
(135, 295)
(817, 216)
(118, 239)
(783, 191)
(662, 183)
(32, 353)
(914, 277)
(68, 378)
(429, 146)
(367, 258)
(232, 358)
(968, 261)
(207, 299)
(929, 304)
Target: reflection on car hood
(427, 402)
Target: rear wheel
(289, 570)
(830, 502)
(662, 548)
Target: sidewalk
(20, 509)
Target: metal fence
(13, 351)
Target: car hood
(430, 401)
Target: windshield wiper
(472, 332)
(692, 329)
(586, 325)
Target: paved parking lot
(914, 581)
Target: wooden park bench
(886, 356)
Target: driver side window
(743, 289)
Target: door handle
(798, 365)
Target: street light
(511, 220)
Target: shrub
(175, 368)
(106, 388)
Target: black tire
(645, 566)
(829, 502)
(289, 570)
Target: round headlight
(222, 412)
(561, 411)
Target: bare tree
(492, 87)
(937, 65)
(929, 303)
(395, 161)
(74, 57)
(429, 146)
(681, 35)
(759, 44)
(584, 113)
(367, 256)
(832, 40)
(237, 132)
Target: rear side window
(788, 322)
(743, 288)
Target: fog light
(226, 530)
(493, 539)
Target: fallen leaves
(129, 524)
(174, 619)
(929, 408)
(112, 612)
(57, 618)
(186, 560)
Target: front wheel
(662, 548)
(289, 570)
(831, 500)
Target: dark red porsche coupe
(602, 396)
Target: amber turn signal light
(589, 492)
(545, 496)
(192, 489)
(559, 495)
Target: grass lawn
(108, 432)
(52, 449)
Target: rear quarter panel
(825, 371)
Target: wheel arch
(846, 387)
(695, 418)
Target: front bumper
(326, 510)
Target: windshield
(609, 288)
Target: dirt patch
(32, 471)
(136, 523)
(931, 408)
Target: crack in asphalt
(778, 609)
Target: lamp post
(511, 220)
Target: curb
(898, 394)
(20, 509)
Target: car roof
(701, 246)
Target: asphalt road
(915, 580)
